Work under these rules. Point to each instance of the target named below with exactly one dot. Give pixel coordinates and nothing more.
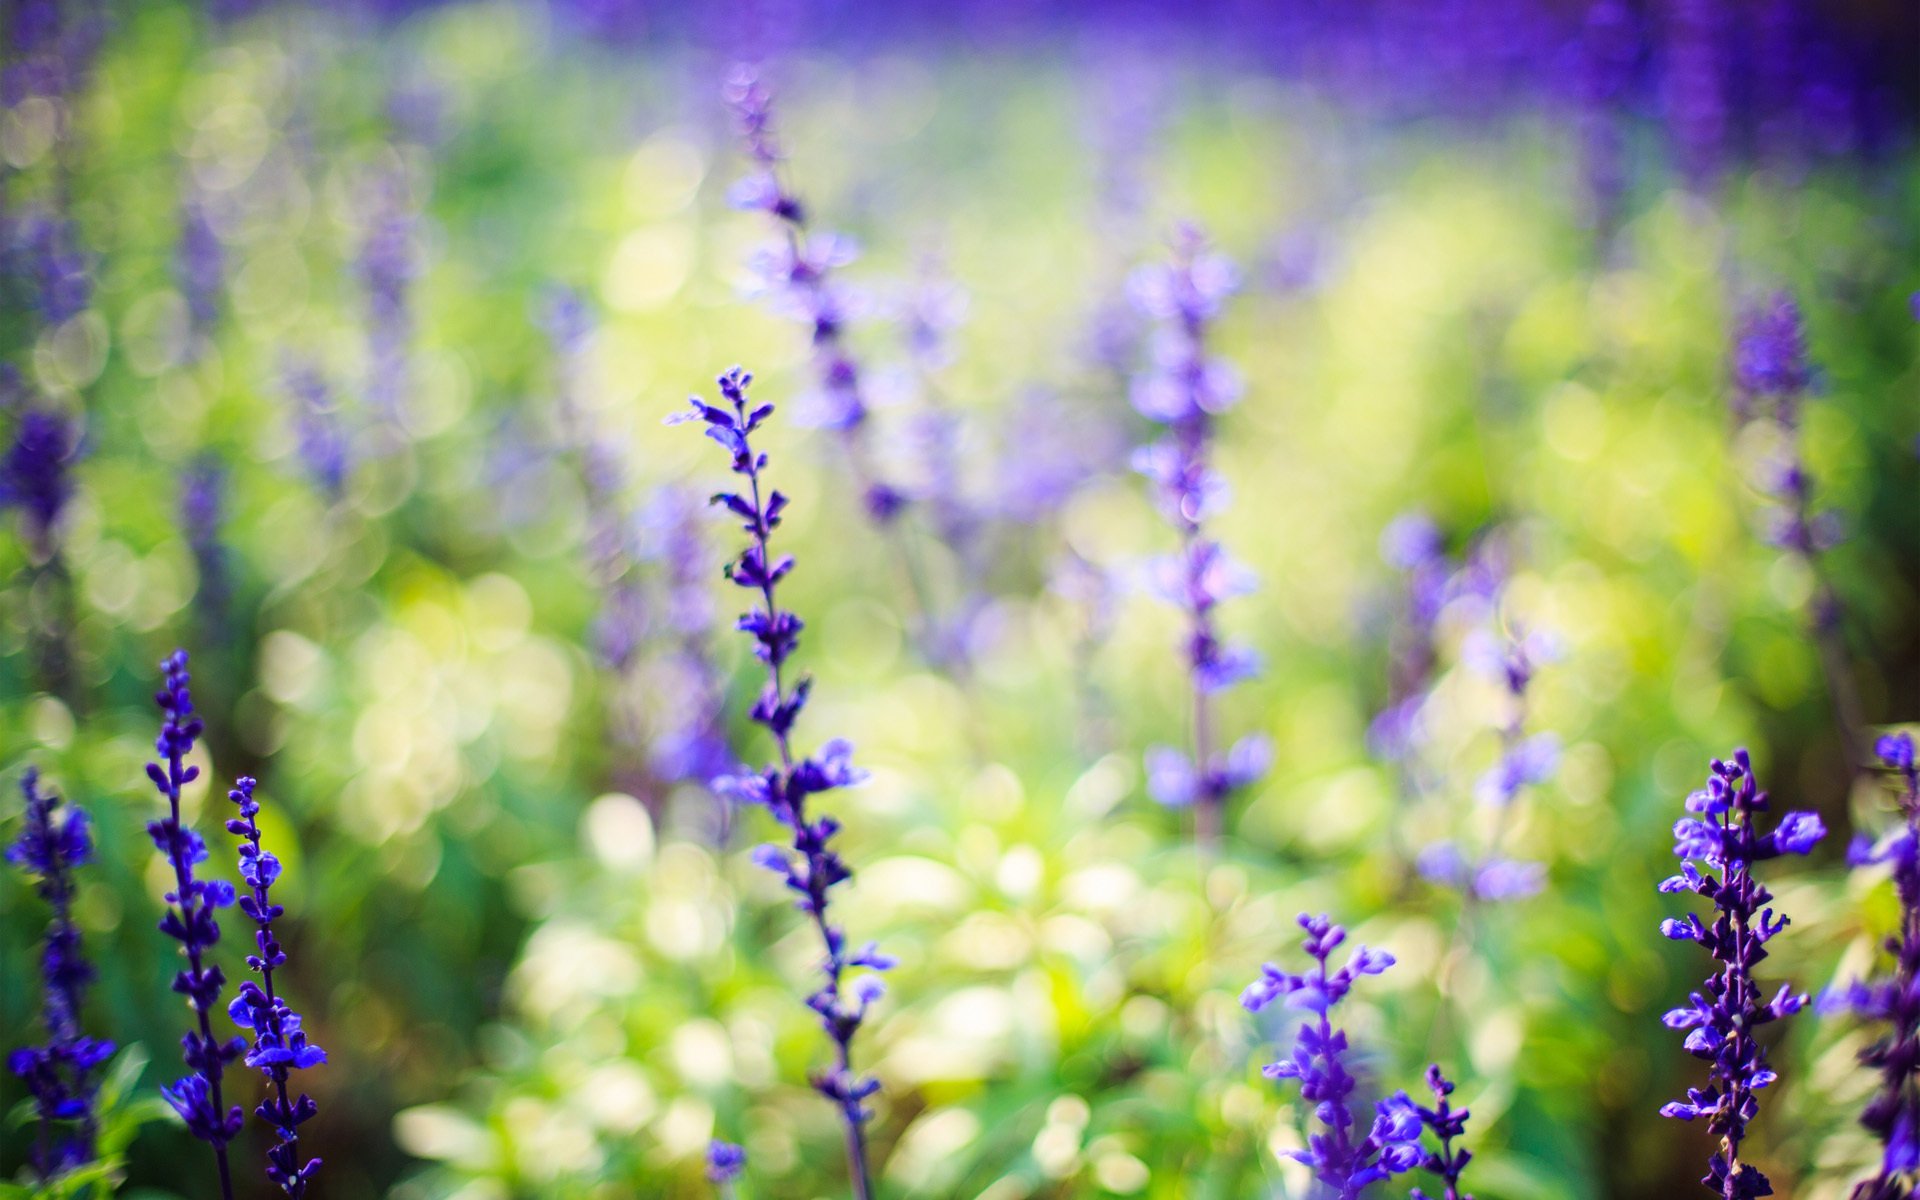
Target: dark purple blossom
(1183, 389)
(1893, 999)
(59, 1076)
(808, 865)
(1344, 1161)
(1722, 1018)
(35, 474)
(280, 1046)
(191, 920)
(1609, 45)
(1447, 1124)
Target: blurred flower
(1446, 1123)
(725, 1162)
(34, 474)
(44, 250)
(1893, 1115)
(199, 262)
(203, 488)
(1183, 389)
(1344, 1164)
(279, 1045)
(388, 265)
(59, 1076)
(1721, 833)
(809, 867)
(797, 269)
(321, 442)
(190, 920)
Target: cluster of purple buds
(35, 474)
(1344, 1161)
(280, 1046)
(191, 920)
(809, 866)
(1723, 1018)
(59, 1076)
(798, 270)
(1183, 389)
(1893, 1115)
(1447, 1124)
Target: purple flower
(280, 1046)
(388, 265)
(59, 1076)
(45, 251)
(35, 474)
(190, 920)
(1720, 1020)
(808, 866)
(199, 262)
(322, 443)
(1893, 999)
(1345, 1163)
(1770, 356)
(202, 504)
(1447, 1124)
(1183, 389)
(725, 1162)
(692, 744)
(797, 269)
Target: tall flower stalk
(797, 271)
(1893, 999)
(1772, 377)
(1723, 1018)
(1345, 1163)
(1183, 390)
(59, 1076)
(280, 1046)
(1447, 1124)
(808, 865)
(191, 921)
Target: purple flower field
(1310, 600)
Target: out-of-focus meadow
(531, 939)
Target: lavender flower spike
(1721, 834)
(1346, 1165)
(190, 920)
(1446, 1123)
(798, 271)
(809, 867)
(280, 1047)
(1183, 390)
(58, 1075)
(1894, 1113)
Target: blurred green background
(536, 971)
